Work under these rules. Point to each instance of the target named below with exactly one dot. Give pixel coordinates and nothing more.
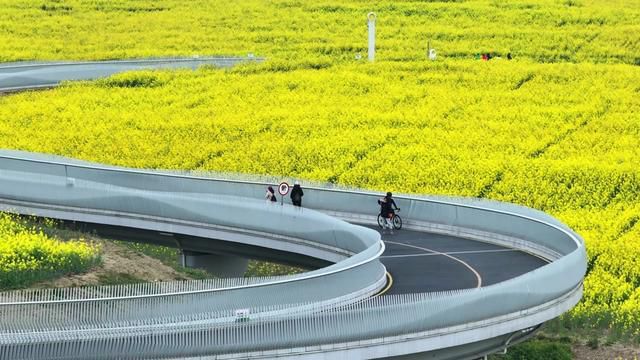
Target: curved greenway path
(328, 313)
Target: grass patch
(142, 79)
(537, 350)
(265, 268)
(168, 256)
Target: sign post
(283, 189)
(371, 22)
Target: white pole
(371, 17)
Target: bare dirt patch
(120, 262)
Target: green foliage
(168, 256)
(264, 268)
(537, 350)
(132, 80)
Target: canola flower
(28, 255)
(555, 129)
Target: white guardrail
(326, 313)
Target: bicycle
(396, 221)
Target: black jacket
(387, 205)
(296, 193)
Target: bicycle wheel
(380, 221)
(397, 222)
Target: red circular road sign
(283, 188)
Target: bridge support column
(220, 265)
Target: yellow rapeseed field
(541, 30)
(557, 128)
(28, 255)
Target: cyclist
(387, 207)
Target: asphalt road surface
(424, 262)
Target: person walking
(297, 194)
(270, 195)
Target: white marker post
(371, 17)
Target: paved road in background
(34, 75)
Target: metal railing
(418, 315)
